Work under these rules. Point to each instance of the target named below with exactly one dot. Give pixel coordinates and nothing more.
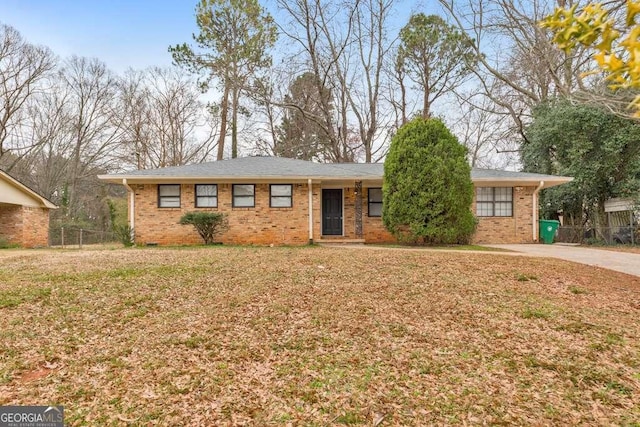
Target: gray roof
(283, 168)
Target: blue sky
(119, 32)
(123, 34)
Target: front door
(332, 212)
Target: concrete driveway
(619, 261)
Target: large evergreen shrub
(427, 191)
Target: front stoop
(339, 241)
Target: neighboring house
(271, 200)
(24, 214)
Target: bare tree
(518, 65)
(372, 45)
(344, 45)
(92, 131)
(483, 132)
(23, 68)
(163, 119)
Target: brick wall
(24, 226)
(263, 225)
(514, 229)
(35, 227)
(11, 223)
(260, 225)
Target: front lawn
(317, 336)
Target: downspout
(310, 191)
(534, 215)
(132, 201)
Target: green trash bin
(548, 228)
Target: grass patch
(540, 312)
(13, 298)
(576, 290)
(479, 248)
(521, 277)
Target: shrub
(427, 190)
(5, 244)
(124, 233)
(207, 224)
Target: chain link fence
(607, 235)
(75, 237)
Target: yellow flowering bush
(617, 51)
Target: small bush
(207, 224)
(124, 233)
(5, 244)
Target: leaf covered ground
(317, 336)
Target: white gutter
(132, 210)
(310, 190)
(535, 211)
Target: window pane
(503, 209)
(170, 202)
(375, 209)
(243, 202)
(484, 209)
(243, 189)
(169, 190)
(281, 202)
(206, 190)
(207, 202)
(375, 195)
(503, 194)
(281, 190)
(484, 194)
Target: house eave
(549, 181)
(162, 179)
(43, 202)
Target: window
(244, 195)
(169, 195)
(281, 195)
(206, 196)
(494, 201)
(375, 202)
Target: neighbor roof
(21, 188)
(264, 168)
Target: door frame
(322, 209)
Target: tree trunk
(234, 123)
(403, 100)
(224, 108)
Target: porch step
(339, 241)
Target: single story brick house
(272, 200)
(24, 214)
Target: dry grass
(317, 336)
(620, 248)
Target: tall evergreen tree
(301, 134)
(434, 55)
(231, 47)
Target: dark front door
(332, 212)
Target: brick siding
(25, 226)
(260, 225)
(514, 229)
(263, 225)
